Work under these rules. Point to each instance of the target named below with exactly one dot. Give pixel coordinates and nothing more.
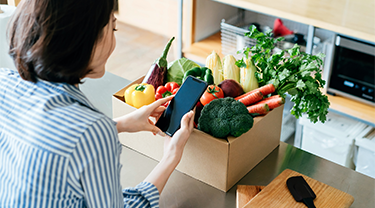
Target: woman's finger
(158, 111)
(187, 120)
(154, 129)
(160, 102)
(192, 119)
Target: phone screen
(184, 101)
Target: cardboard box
(220, 163)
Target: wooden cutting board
(245, 193)
(276, 194)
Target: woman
(56, 149)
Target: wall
(208, 16)
(201, 18)
(159, 16)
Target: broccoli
(225, 116)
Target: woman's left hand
(139, 120)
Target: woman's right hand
(139, 120)
(174, 146)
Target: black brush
(301, 191)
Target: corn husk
(248, 81)
(213, 62)
(230, 69)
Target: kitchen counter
(185, 191)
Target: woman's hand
(139, 120)
(174, 146)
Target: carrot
(265, 90)
(251, 98)
(273, 101)
(260, 109)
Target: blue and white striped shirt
(57, 150)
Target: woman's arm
(173, 149)
(139, 120)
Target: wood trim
(194, 7)
(188, 23)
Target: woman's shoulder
(51, 116)
(6, 73)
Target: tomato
(212, 92)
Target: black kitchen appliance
(352, 70)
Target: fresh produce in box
(138, 95)
(203, 73)
(264, 90)
(212, 92)
(225, 116)
(177, 69)
(255, 103)
(258, 109)
(248, 80)
(230, 69)
(213, 62)
(231, 88)
(250, 97)
(158, 71)
(273, 101)
(290, 71)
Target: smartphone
(185, 100)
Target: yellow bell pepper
(139, 95)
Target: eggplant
(158, 70)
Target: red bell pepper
(170, 88)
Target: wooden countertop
(352, 108)
(349, 17)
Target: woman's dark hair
(54, 39)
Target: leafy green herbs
(291, 71)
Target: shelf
(199, 51)
(351, 17)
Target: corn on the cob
(248, 80)
(213, 62)
(230, 69)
